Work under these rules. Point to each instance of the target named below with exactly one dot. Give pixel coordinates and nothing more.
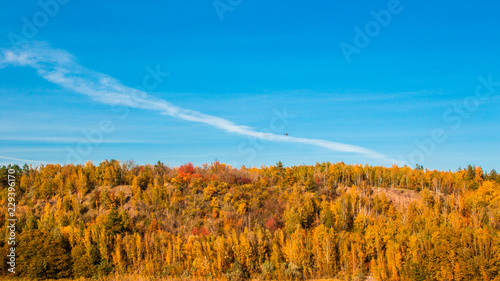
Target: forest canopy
(330, 220)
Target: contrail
(23, 160)
(61, 68)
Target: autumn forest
(217, 222)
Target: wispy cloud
(23, 160)
(68, 140)
(61, 68)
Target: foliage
(287, 223)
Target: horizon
(132, 163)
(377, 83)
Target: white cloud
(61, 68)
(69, 140)
(23, 160)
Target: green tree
(83, 265)
(44, 255)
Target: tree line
(274, 222)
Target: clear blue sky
(242, 66)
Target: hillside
(215, 221)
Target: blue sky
(417, 75)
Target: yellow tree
(323, 249)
